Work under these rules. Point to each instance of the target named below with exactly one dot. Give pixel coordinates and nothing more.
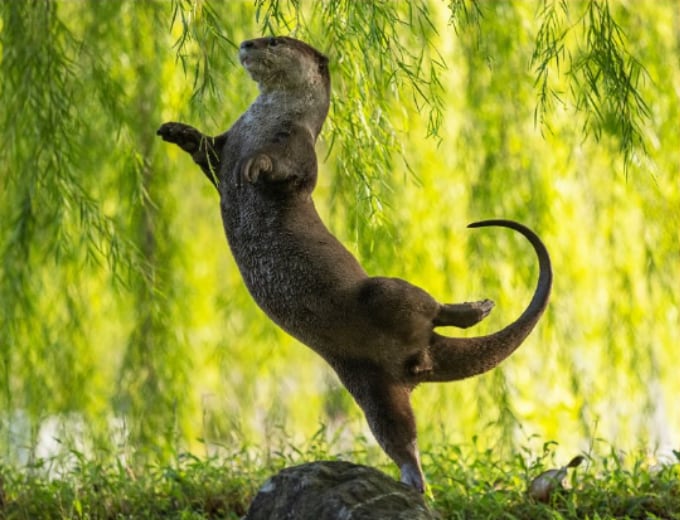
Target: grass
(189, 489)
(462, 485)
(609, 486)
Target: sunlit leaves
(201, 40)
(436, 119)
(464, 12)
(78, 165)
(604, 78)
(548, 54)
(607, 78)
(53, 228)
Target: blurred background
(125, 329)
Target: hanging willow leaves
(604, 78)
(61, 239)
(123, 318)
(54, 227)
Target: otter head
(282, 63)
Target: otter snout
(257, 44)
(246, 46)
(243, 50)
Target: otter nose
(248, 44)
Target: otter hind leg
(462, 315)
(387, 406)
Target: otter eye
(273, 42)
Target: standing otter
(377, 333)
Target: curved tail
(458, 358)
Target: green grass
(462, 485)
(191, 488)
(610, 486)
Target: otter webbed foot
(412, 476)
(463, 315)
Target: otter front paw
(184, 136)
(256, 166)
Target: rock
(336, 490)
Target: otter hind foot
(463, 315)
(412, 476)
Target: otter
(377, 333)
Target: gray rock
(336, 490)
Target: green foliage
(79, 196)
(54, 229)
(478, 484)
(604, 78)
(186, 489)
(466, 483)
(122, 315)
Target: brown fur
(377, 333)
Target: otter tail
(458, 358)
